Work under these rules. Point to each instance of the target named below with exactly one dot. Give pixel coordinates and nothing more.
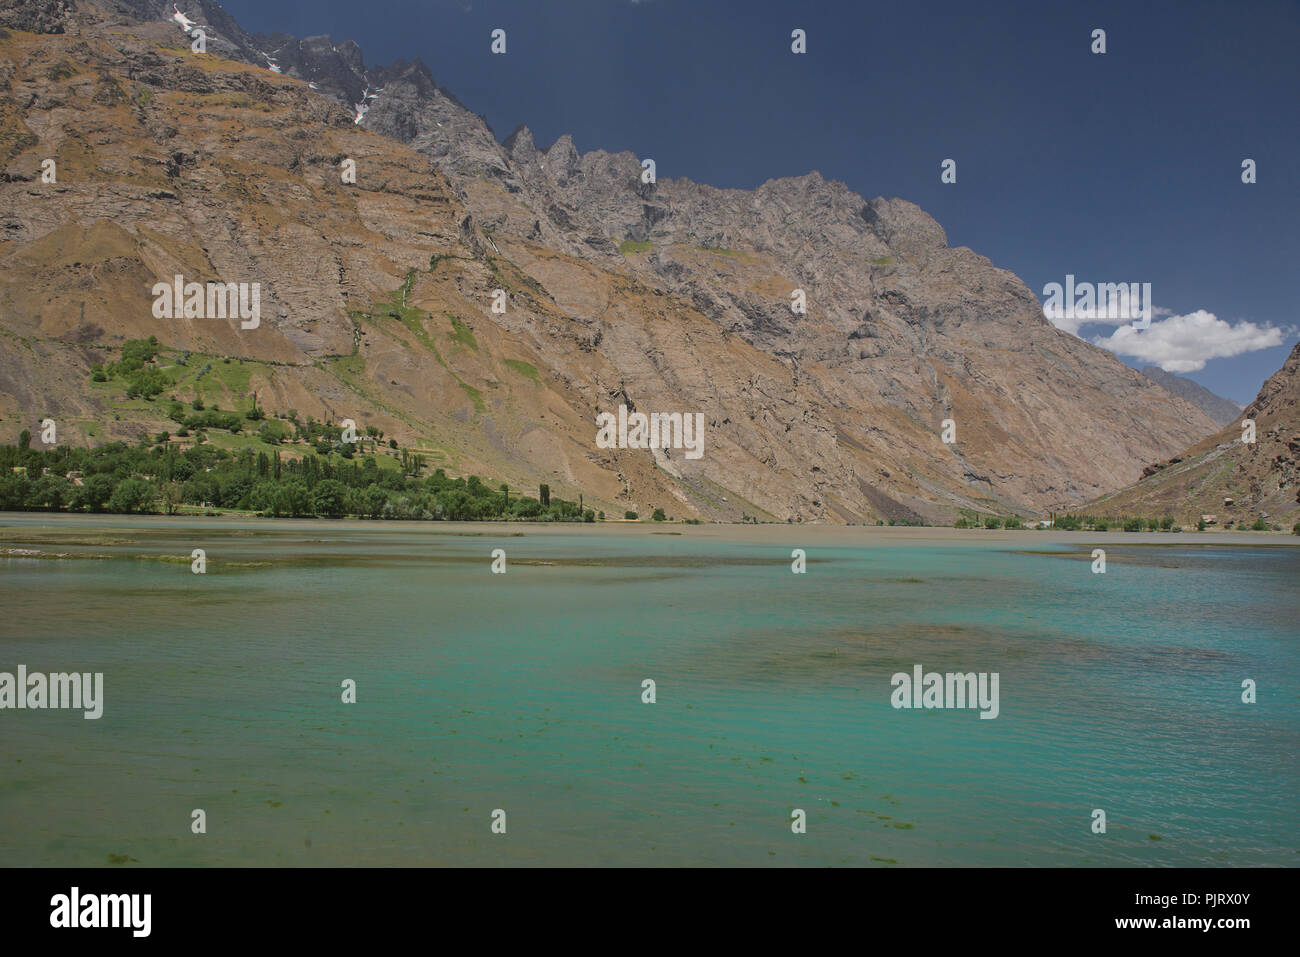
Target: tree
(273, 433)
(262, 497)
(527, 508)
(201, 489)
(234, 489)
(658, 515)
(94, 493)
(294, 498)
(373, 501)
(169, 494)
(329, 498)
(544, 494)
(25, 439)
(13, 490)
(48, 491)
(132, 495)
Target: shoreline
(737, 532)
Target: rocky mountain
(1231, 475)
(1218, 408)
(377, 296)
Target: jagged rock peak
(563, 155)
(519, 144)
(897, 220)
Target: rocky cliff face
(666, 296)
(1224, 475)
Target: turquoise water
(522, 692)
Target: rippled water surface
(522, 692)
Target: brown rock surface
(1261, 478)
(376, 296)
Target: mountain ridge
(669, 294)
(1218, 408)
(1236, 476)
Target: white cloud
(1186, 343)
(1107, 304)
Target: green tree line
(127, 479)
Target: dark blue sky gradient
(1122, 167)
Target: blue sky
(1120, 167)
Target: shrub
(273, 433)
(135, 353)
(214, 419)
(630, 516)
(658, 515)
(147, 383)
